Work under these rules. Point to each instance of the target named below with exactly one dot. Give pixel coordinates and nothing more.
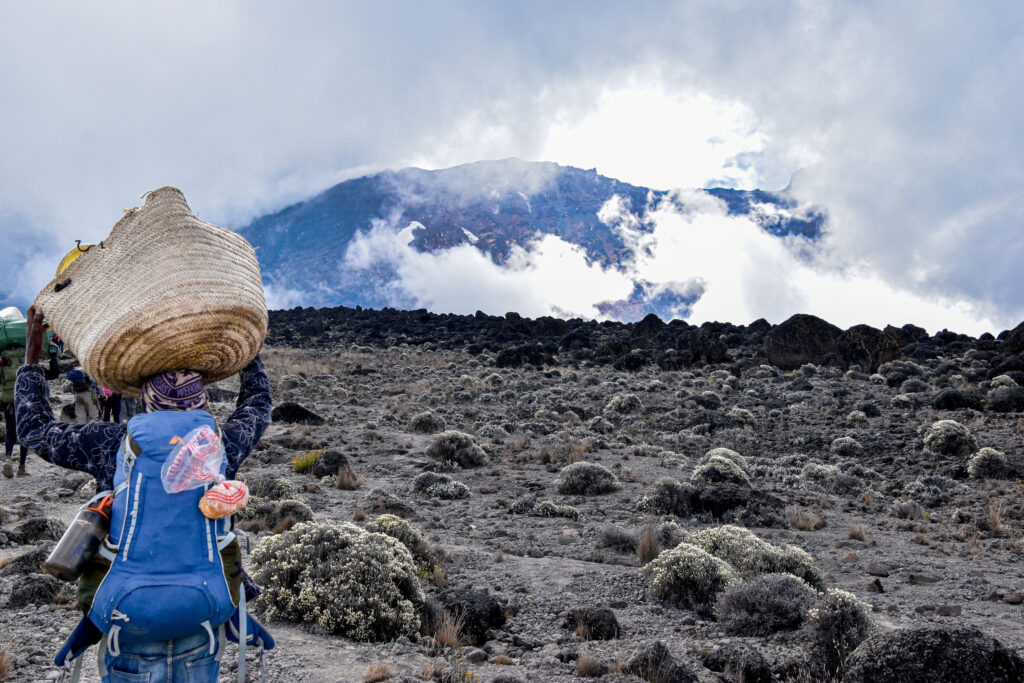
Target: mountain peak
(351, 243)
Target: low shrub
(403, 532)
(271, 488)
(427, 422)
(350, 582)
(836, 625)
(456, 447)
(586, 479)
(687, 576)
(752, 556)
(769, 603)
(933, 652)
(667, 496)
(544, 508)
(949, 437)
(846, 447)
(439, 485)
(304, 463)
(715, 468)
(623, 404)
(987, 463)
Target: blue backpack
(166, 580)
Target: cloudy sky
(903, 120)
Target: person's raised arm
(243, 429)
(89, 448)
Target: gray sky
(905, 121)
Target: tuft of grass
(805, 520)
(996, 512)
(285, 524)
(347, 479)
(5, 666)
(857, 532)
(381, 671)
(358, 516)
(304, 463)
(588, 666)
(433, 669)
(520, 442)
(648, 548)
(448, 629)
(502, 659)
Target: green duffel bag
(12, 332)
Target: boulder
(520, 355)
(478, 609)
(933, 653)
(951, 399)
(592, 623)
(34, 589)
(867, 347)
(799, 340)
(1005, 400)
(653, 662)
(649, 327)
(293, 413)
(1014, 341)
(328, 464)
(706, 345)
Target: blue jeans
(187, 660)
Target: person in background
(10, 359)
(130, 406)
(111, 406)
(86, 403)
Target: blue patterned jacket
(93, 447)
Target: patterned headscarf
(175, 390)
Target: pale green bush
(586, 479)
(687, 576)
(350, 582)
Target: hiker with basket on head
(160, 596)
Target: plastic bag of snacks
(194, 462)
(224, 499)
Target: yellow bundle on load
(164, 291)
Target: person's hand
(34, 330)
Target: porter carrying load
(164, 291)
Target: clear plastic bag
(194, 462)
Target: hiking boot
(22, 472)
(8, 470)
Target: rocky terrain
(481, 498)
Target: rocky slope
(588, 450)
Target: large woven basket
(165, 291)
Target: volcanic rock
(800, 339)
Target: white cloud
(688, 244)
(910, 117)
(651, 138)
(746, 273)
(553, 277)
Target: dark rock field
(479, 498)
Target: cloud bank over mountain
(903, 122)
(728, 266)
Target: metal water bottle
(80, 542)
